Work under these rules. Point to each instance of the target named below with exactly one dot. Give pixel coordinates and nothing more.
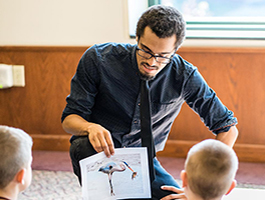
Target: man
(209, 174)
(103, 109)
(15, 162)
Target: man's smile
(148, 68)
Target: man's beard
(146, 77)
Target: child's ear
(233, 185)
(183, 176)
(20, 176)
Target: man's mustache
(153, 66)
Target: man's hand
(101, 140)
(180, 193)
(99, 137)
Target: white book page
(123, 175)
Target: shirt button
(139, 104)
(135, 121)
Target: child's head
(210, 169)
(15, 157)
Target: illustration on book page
(123, 175)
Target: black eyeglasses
(148, 55)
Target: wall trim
(51, 142)
(184, 49)
(245, 152)
(44, 48)
(174, 148)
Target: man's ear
(183, 176)
(137, 39)
(20, 176)
(233, 185)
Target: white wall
(63, 22)
(78, 23)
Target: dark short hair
(164, 21)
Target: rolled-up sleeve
(83, 87)
(204, 101)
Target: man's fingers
(180, 193)
(172, 188)
(104, 145)
(174, 196)
(99, 145)
(106, 151)
(110, 143)
(101, 140)
(96, 144)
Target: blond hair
(15, 153)
(211, 167)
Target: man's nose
(151, 61)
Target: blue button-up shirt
(106, 90)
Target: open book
(123, 175)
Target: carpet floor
(63, 185)
(53, 178)
(52, 185)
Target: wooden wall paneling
(236, 74)
(37, 107)
(237, 77)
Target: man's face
(154, 45)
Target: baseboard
(51, 142)
(250, 152)
(245, 152)
(174, 148)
